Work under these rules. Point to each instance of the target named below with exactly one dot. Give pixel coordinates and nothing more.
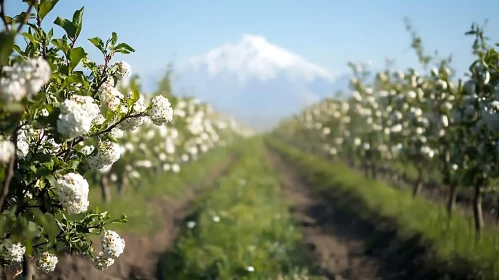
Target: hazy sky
(325, 32)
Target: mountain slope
(255, 81)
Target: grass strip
(239, 229)
(452, 242)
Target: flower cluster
(46, 262)
(109, 152)
(15, 252)
(25, 78)
(62, 117)
(160, 111)
(112, 244)
(73, 193)
(101, 262)
(77, 115)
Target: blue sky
(325, 32)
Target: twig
(69, 150)
(39, 142)
(116, 124)
(76, 141)
(61, 232)
(26, 17)
(2, 14)
(39, 24)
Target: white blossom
(46, 262)
(161, 111)
(132, 123)
(87, 150)
(15, 252)
(77, 114)
(116, 133)
(109, 152)
(73, 193)
(7, 150)
(121, 70)
(112, 244)
(101, 262)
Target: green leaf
(73, 164)
(6, 47)
(76, 56)
(29, 246)
(135, 93)
(39, 217)
(124, 48)
(51, 180)
(18, 50)
(61, 44)
(8, 19)
(45, 7)
(77, 21)
(98, 43)
(31, 39)
(114, 38)
(49, 35)
(43, 171)
(22, 17)
(67, 25)
(41, 158)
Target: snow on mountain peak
(254, 57)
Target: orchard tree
(60, 113)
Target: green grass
(240, 223)
(451, 240)
(136, 203)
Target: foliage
(426, 121)
(56, 103)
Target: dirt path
(142, 253)
(337, 243)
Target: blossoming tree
(56, 103)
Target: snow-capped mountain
(255, 81)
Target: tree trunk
(121, 186)
(477, 207)
(28, 269)
(451, 200)
(373, 170)
(418, 185)
(104, 187)
(366, 171)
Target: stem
(39, 24)
(28, 271)
(104, 185)
(477, 207)
(2, 14)
(69, 150)
(26, 17)
(76, 141)
(39, 142)
(451, 203)
(419, 182)
(113, 126)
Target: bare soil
(142, 253)
(349, 242)
(337, 248)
